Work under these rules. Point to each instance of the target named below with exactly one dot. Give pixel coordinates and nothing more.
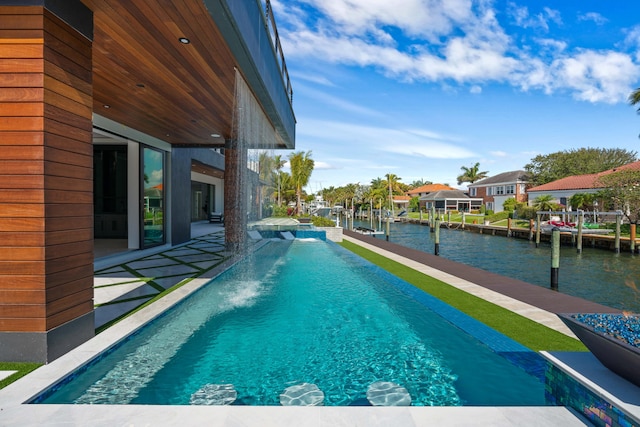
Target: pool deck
(119, 285)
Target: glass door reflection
(153, 202)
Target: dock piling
(437, 238)
(555, 257)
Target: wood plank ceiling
(145, 78)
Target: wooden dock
(599, 241)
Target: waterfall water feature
(252, 131)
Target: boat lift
(578, 229)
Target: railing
(273, 31)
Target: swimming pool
(308, 312)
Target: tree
(419, 183)
(582, 201)
(471, 174)
(622, 192)
(301, 165)
(581, 161)
(278, 163)
(634, 98)
(544, 203)
(510, 204)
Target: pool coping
(14, 411)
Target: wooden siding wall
(46, 171)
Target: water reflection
(595, 274)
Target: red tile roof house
(495, 190)
(425, 190)
(401, 203)
(562, 189)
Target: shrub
(280, 211)
(526, 212)
(498, 216)
(320, 221)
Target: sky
(420, 88)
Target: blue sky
(419, 88)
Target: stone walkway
(123, 287)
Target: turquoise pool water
(309, 312)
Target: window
(499, 190)
(510, 189)
(472, 191)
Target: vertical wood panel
(46, 179)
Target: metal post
(555, 257)
(437, 238)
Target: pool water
(305, 312)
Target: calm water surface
(595, 274)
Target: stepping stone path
(214, 394)
(385, 393)
(304, 394)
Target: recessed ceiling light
(215, 135)
(106, 106)
(140, 85)
(184, 40)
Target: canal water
(596, 275)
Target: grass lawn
(525, 331)
(21, 368)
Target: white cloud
(456, 41)
(337, 102)
(405, 142)
(313, 78)
(522, 18)
(595, 76)
(475, 89)
(323, 166)
(597, 18)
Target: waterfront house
(426, 189)
(562, 189)
(127, 120)
(495, 190)
(450, 200)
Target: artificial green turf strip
(22, 368)
(531, 334)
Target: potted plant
(614, 339)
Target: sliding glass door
(153, 202)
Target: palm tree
(278, 163)
(634, 98)
(544, 203)
(471, 174)
(301, 165)
(582, 200)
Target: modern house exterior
(123, 119)
(495, 190)
(450, 200)
(563, 189)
